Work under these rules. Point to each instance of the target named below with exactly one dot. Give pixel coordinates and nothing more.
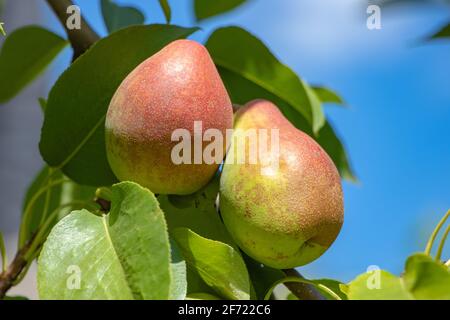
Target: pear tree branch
(80, 39)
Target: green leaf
(3, 255)
(42, 104)
(15, 298)
(72, 136)
(202, 296)
(329, 140)
(444, 32)
(197, 212)
(254, 63)
(326, 95)
(378, 285)
(166, 9)
(427, 278)
(52, 199)
(333, 285)
(124, 255)
(178, 286)
(262, 277)
(78, 261)
(243, 90)
(207, 8)
(2, 31)
(117, 17)
(291, 296)
(217, 263)
(26, 52)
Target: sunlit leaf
(378, 285)
(217, 263)
(124, 255)
(427, 278)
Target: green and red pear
(171, 90)
(287, 215)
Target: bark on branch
(80, 39)
(9, 276)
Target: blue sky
(396, 126)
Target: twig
(80, 39)
(302, 291)
(9, 276)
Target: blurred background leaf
(442, 33)
(254, 73)
(208, 8)
(124, 255)
(326, 95)
(255, 63)
(426, 278)
(117, 17)
(166, 9)
(67, 193)
(25, 53)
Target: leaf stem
(3, 253)
(442, 243)
(435, 233)
(48, 195)
(43, 230)
(23, 234)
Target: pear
(284, 215)
(173, 89)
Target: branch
(80, 39)
(12, 273)
(302, 291)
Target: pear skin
(284, 216)
(170, 90)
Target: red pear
(283, 215)
(171, 90)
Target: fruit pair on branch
(284, 217)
